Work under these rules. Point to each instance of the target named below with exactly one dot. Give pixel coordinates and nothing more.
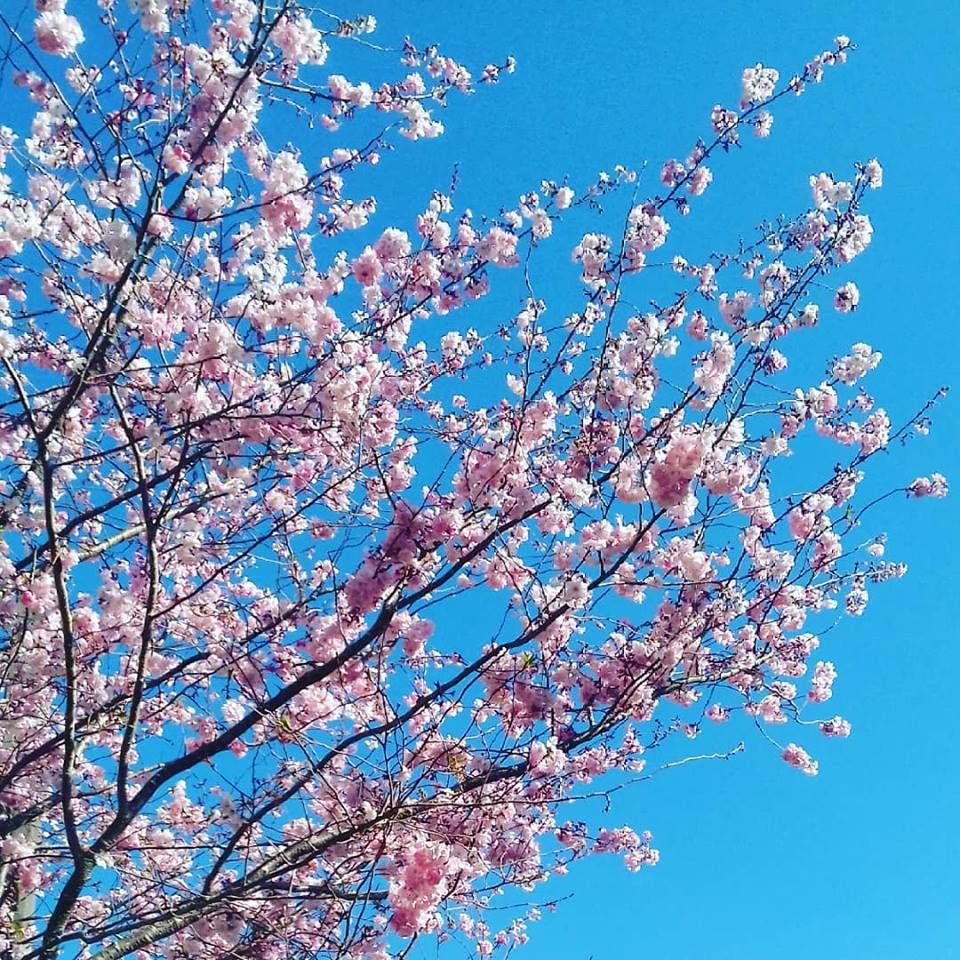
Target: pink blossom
(300, 41)
(799, 758)
(563, 198)
(393, 245)
(837, 727)
(592, 252)
(854, 237)
(711, 375)
(648, 228)
(698, 325)
(829, 193)
(546, 759)
(367, 268)
(822, 682)
(860, 361)
(672, 173)
(498, 246)
(874, 174)
(280, 466)
(763, 124)
(706, 285)
(699, 180)
(855, 602)
(875, 433)
(846, 298)
(759, 83)
(769, 710)
(826, 550)
(723, 120)
(717, 714)
(418, 885)
(933, 486)
(541, 224)
(58, 33)
(670, 477)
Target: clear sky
(758, 860)
(861, 861)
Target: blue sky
(861, 860)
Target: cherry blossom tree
(322, 608)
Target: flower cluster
(321, 599)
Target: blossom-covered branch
(319, 608)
